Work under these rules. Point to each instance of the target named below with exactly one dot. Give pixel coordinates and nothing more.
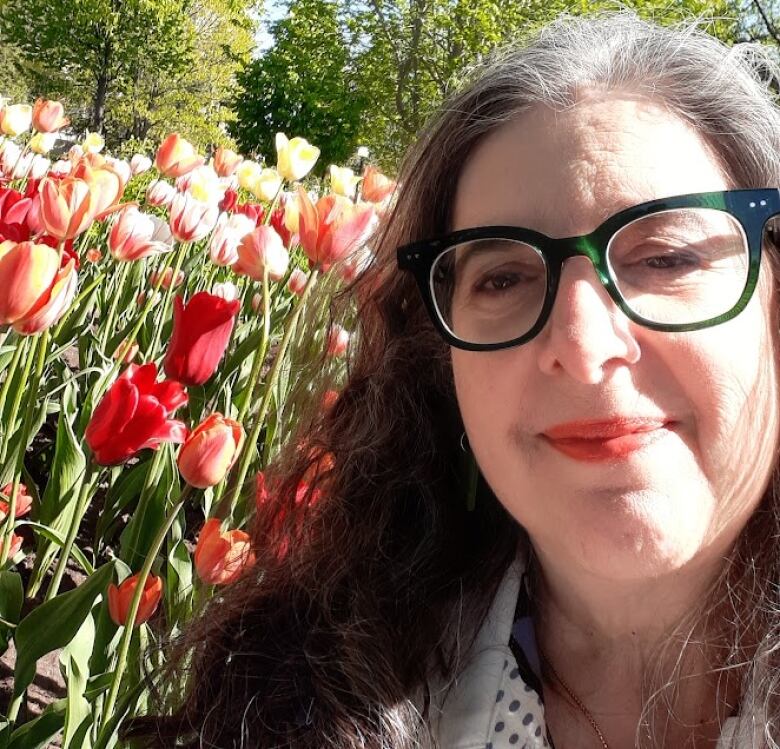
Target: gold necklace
(577, 701)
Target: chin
(632, 535)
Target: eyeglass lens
(679, 266)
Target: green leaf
(37, 733)
(75, 660)
(11, 599)
(58, 539)
(54, 624)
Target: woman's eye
(671, 261)
(499, 283)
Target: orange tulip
(67, 207)
(226, 161)
(120, 598)
(333, 228)
(221, 557)
(107, 184)
(23, 501)
(39, 285)
(16, 544)
(376, 187)
(210, 450)
(260, 249)
(176, 156)
(48, 116)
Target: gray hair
(726, 94)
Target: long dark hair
(387, 578)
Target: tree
(303, 85)
(97, 43)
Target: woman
(583, 310)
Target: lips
(602, 440)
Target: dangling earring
(472, 473)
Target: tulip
(296, 283)
(106, 183)
(16, 545)
(61, 168)
(39, 286)
(176, 156)
(267, 185)
(75, 154)
(94, 255)
(137, 235)
(226, 161)
(248, 174)
(15, 119)
(332, 229)
(39, 166)
(223, 245)
(48, 116)
(168, 280)
(343, 181)
(160, 193)
(126, 351)
(291, 212)
(201, 332)
(140, 299)
(376, 187)
(229, 200)
(140, 164)
(227, 290)
(210, 451)
(67, 207)
(121, 167)
(135, 414)
(329, 398)
(263, 248)
(93, 143)
(42, 143)
(221, 557)
(294, 158)
(120, 598)
(203, 184)
(257, 301)
(190, 219)
(338, 341)
(23, 501)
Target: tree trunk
(101, 90)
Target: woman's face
(680, 494)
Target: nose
(586, 335)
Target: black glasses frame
(752, 208)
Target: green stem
(124, 644)
(259, 353)
(32, 389)
(180, 254)
(226, 503)
(88, 484)
(21, 344)
(15, 403)
(114, 306)
(143, 500)
(80, 298)
(274, 203)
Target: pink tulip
(190, 219)
(230, 230)
(297, 281)
(262, 248)
(160, 193)
(137, 235)
(338, 341)
(226, 161)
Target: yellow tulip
(16, 119)
(294, 158)
(248, 173)
(93, 143)
(343, 181)
(268, 183)
(42, 143)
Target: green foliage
(134, 69)
(304, 85)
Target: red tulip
(120, 598)
(220, 557)
(135, 414)
(210, 450)
(201, 331)
(23, 500)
